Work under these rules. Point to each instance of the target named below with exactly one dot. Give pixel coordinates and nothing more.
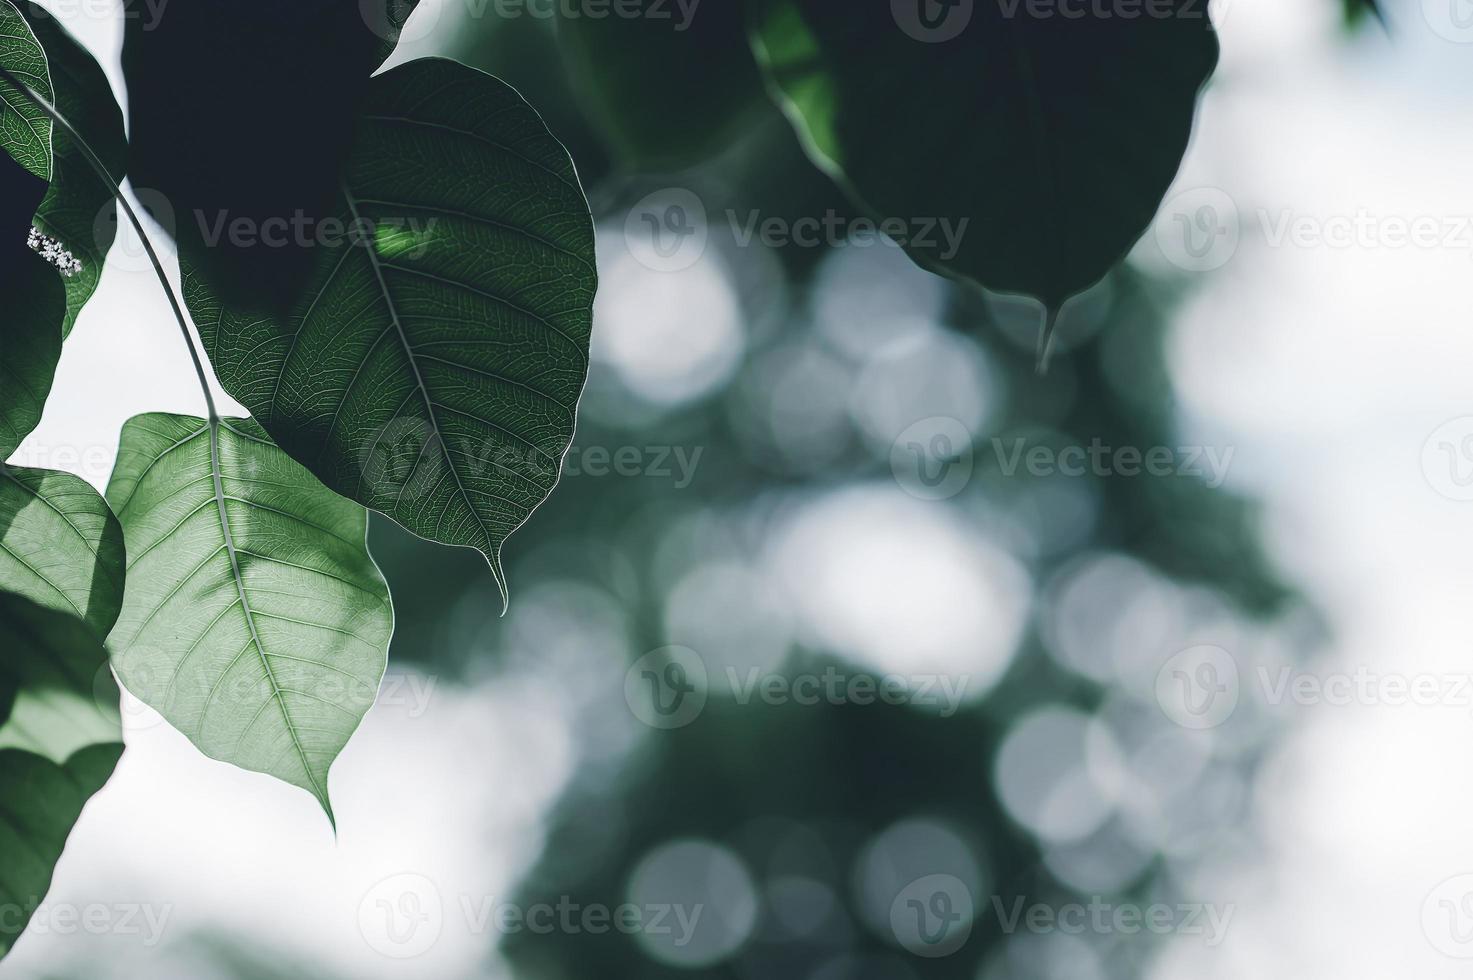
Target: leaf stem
(92, 159)
(1045, 339)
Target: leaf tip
(493, 558)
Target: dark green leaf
(78, 210)
(30, 343)
(1053, 137)
(40, 304)
(431, 370)
(667, 87)
(254, 619)
(60, 738)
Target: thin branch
(92, 159)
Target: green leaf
(1053, 137)
(60, 738)
(41, 305)
(60, 546)
(667, 87)
(25, 130)
(78, 210)
(430, 370)
(254, 619)
(30, 343)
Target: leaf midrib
(1042, 145)
(378, 274)
(250, 618)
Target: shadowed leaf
(78, 210)
(432, 369)
(60, 546)
(60, 738)
(667, 86)
(1052, 137)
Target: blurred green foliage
(838, 774)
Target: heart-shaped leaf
(25, 129)
(60, 546)
(1060, 134)
(60, 739)
(432, 368)
(254, 619)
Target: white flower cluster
(54, 252)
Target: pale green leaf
(431, 373)
(254, 619)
